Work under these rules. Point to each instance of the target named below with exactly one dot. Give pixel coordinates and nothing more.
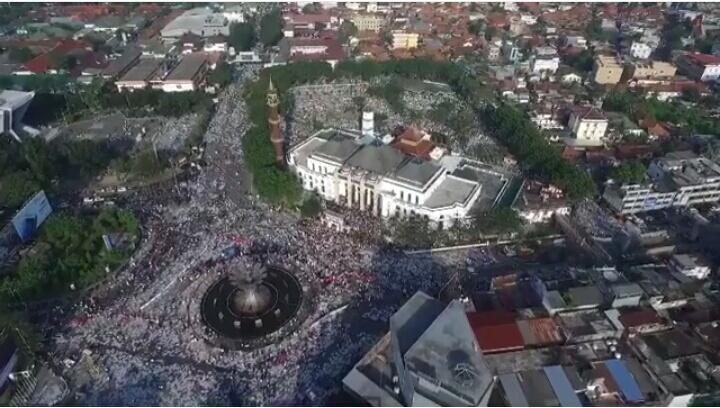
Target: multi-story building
(405, 178)
(695, 179)
(653, 70)
(679, 179)
(430, 357)
(701, 67)
(607, 70)
(588, 126)
(368, 22)
(404, 39)
(635, 198)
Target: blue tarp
(562, 387)
(624, 379)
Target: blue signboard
(31, 216)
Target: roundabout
(250, 302)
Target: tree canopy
(271, 28)
(70, 250)
(242, 36)
(630, 172)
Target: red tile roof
(333, 50)
(413, 141)
(703, 59)
(545, 331)
(640, 318)
(44, 62)
(494, 335)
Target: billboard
(31, 216)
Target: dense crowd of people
(143, 327)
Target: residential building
(368, 22)
(200, 21)
(588, 126)
(680, 179)
(586, 325)
(511, 52)
(387, 181)
(690, 265)
(311, 49)
(548, 386)
(188, 75)
(141, 75)
(430, 357)
(635, 198)
(234, 14)
(545, 60)
(696, 180)
(653, 70)
(404, 39)
(639, 49)
(13, 105)
(701, 67)
(217, 43)
(607, 70)
(576, 41)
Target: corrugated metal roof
(562, 387)
(513, 391)
(625, 381)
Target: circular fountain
(250, 302)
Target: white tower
(368, 124)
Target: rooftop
(188, 68)
(417, 171)
(447, 354)
(143, 71)
(377, 159)
(452, 190)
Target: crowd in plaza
(146, 322)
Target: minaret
(274, 122)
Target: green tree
(499, 220)
(413, 232)
(476, 27)
(242, 36)
(16, 188)
(347, 30)
(271, 28)
(311, 207)
(630, 172)
(583, 61)
(20, 55)
(312, 8)
(221, 75)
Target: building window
(402, 195)
(417, 200)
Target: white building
(680, 179)
(234, 14)
(545, 60)
(690, 265)
(13, 105)
(199, 21)
(696, 180)
(640, 50)
(701, 67)
(588, 126)
(365, 174)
